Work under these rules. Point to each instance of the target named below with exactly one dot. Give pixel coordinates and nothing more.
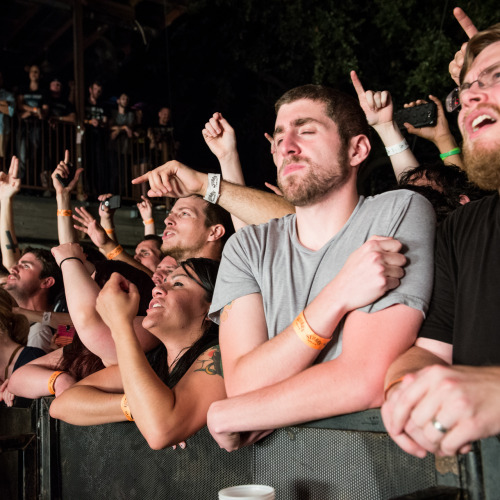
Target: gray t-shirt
(269, 259)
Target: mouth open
(482, 121)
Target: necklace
(14, 352)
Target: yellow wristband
(148, 222)
(304, 332)
(390, 385)
(114, 253)
(52, 381)
(64, 213)
(109, 231)
(126, 409)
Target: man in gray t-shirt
(335, 266)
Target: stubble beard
(181, 253)
(316, 183)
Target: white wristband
(46, 318)
(213, 188)
(397, 148)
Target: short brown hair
(343, 109)
(477, 44)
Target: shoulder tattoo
(210, 362)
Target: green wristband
(454, 151)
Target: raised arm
(378, 109)
(439, 134)
(65, 230)
(10, 184)
(145, 208)
(109, 247)
(81, 295)
(470, 30)
(250, 205)
(221, 140)
(106, 215)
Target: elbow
(158, 439)
(55, 409)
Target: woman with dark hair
(168, 397)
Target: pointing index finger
(358, 86)
(66, 156)
(465, 21)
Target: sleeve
(40, 336)
(414, 226)
(439, 325)
(235, 278)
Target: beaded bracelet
(52, 381)
(64, 213)
(125, 409)
(114, 253)
(306, 334)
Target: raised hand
(145, 208)
(66, 250)
(377, 105)
(88, 224)
(470, 30)
(63, 170)
(430, 133)
(219, 136)
(118, 303)
(10, 184)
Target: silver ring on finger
(439, 426)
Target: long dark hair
(205, 275)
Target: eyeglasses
(487, 78)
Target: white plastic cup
(247, 492)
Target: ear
(359, 149)
(216, 232)
(47, 282)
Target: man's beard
(181, 253)
(317, 183)
(482, 165)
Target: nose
(289, 144)
(473, 95)
(159, 291)
(137, 257)
(169, 221)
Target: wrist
(388, 130)
(203, 178)
(445, 143)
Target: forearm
(31, 381)
(321, 391)
(286, 354)
(56, 318)
(391, 135)
(87, 405)
(65, 229)
(150, 401)
(413, 360)
(8, 240)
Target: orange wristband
(305, 333)
(114, 253)
(52, 381)
(109, 231)
(148, 222)
(64, 213)
(126, 409)
(390, 385)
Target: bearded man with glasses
(444, 393)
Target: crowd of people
(323, 302)
(37, 123)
